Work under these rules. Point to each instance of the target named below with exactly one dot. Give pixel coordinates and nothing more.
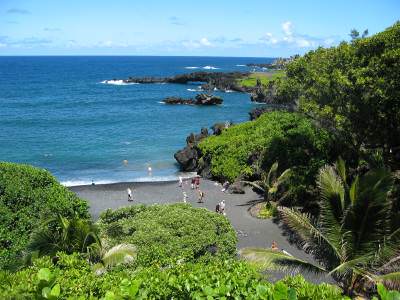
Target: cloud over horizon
(19, 11)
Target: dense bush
(288, 138)
(164, 234)
(27, 196)
(218, 279)
(353, 89)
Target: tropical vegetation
(353, 237)
(29, 196)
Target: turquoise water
(57, 113)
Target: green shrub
(27, 196)
(289, 138)
(164, 234)
(218, 279)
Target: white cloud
(205, 42)
(291, 38)
(287, 28)
(192, 44)
(2, 45)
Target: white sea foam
(210, 68)
(192, 90)
(191, 67)
(118, 82)
(229, 91)
(83, 182)
(240, 65)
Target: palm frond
(312, 236)
(390, 280)
(268, 259)
(271, 174)
(119, 254)
(353, 192)
(280, 180)
(349, 266)
(341, 168)
(255, 184)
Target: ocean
(59, 113)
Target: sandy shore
(251, 232)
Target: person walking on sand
(274, 246)
(222, 207)
(180, 181)
(184, 197)
(201, 196)
(193, 183)
(130, 198)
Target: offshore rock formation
(225, 81)
(200, 99)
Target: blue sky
(212, 28)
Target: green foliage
(384, 294)
(267, 211)
(62, 234)
(354, 236)
(353, 89)
(165, 234)
(27, 196)
(218, 279)
(263, 77)
(290, 139)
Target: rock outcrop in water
(200, 99)
(224, 81)
(188, 157)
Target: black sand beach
(252, 232)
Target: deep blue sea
(57, 113)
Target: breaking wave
(118, 82)
(210, 68)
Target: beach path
(252, 232)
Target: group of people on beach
(194, 184)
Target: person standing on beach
(184, 197)
(222, 207)
(197, 182)
(150, 170)
(180, 181)
(201, 196)
(193, 183)
(130, 198)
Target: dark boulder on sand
(188, 157)
(236, 187)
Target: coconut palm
(353, 238)
(81, 236)
(270, 182)
(119, 254)
(62, 234)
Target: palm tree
(62, 234)
(119, 254)
(353, 238)
(81, 236)
(270, 182)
